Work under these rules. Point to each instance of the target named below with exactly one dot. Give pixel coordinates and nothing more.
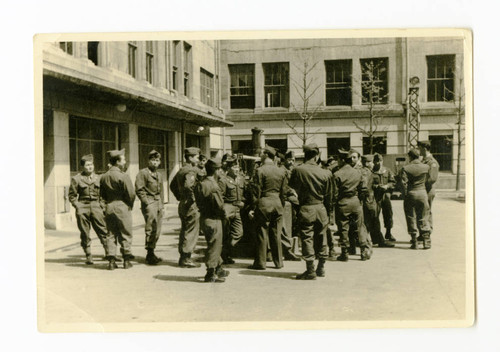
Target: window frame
(245, 70)
(187, 58)
(281, 89)
(332, 87)
(435, 81)
(385, 82)
(206, 87)
(132, 58)
(67, 47)
(149, 52)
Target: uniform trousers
(212, 229)
(90, 214)
(385, 205)
(372, 221)
(430, 197)
(232, 227)
(119, 223)
(269, 217)
(350, 220)
(153, 214)
(190, 227)
(416, 209)
(313, 223)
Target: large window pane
(374, 83)
(242, 86)
(440, 77)
(276, 89)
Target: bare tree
(373, 94)
(306, 90)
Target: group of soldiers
(218, 201)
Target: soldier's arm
(174, 187)
(328, 201)
(162, 191)
(222, 185)
(336, 188)
(73, 192)
(433, 172)
(189, 182)
(129, 191)
(140, 185)
(404, 181)
(391, 181)
(283, 189)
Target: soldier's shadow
(142, 260)
(268, 273)
(179, 278)
(77, 261)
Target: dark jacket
(149, 186)
(183, 183)
(117, 186)
(84, 188)
(209, 199)
(347, 183)
(414, 176)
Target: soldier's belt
(87, 200)
(269, 194)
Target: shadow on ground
(273, 274)
(179, 278)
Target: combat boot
(126, 262)
(112, 263)
(220, 272)
(344, 256)
(186, 262)
(366, 253)
(211, 276)
(151, 258)
(389, 236)
(290, 256)
(427, 241)
(320, 270)
(89, 260)
(309, 274)
(332, 253)
(414, 242)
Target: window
(187, 69)
(91, 137)
(338, 82)
(150, 139)
(92, 51)
(441, 150)
(379, 145)
(242, 86)
(149, 61)
(175, 66)
(281, 145)
(132, 59)
(374, 87)
(193, 140)
(244, 147)
(206, 87)
(276, 85)
(334, 144)
(440, 77)
(67, 47)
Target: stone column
(259, 87)
(357, 141)
(130, 141)
(257, 143)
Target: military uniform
(384, 183)
(118, 193)
(416, 206)
(182, 187)
(211, 205)
(431, 180)
(149, 189)
(314, 187)
(348, 210)
(232, 192)
(84, 195)
(370, 214)
(287, 239)
(270, 182)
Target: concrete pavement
(397, 284)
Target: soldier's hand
(251, 214)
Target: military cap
(230, 159)
(115, 153)
(377, 157)
(225, 156)
(367, 157)
(270, 150)
(85, 158)
(290, 154)
(425, 144)
(192, 151)
(154, 154)
(203, 157)
(353, 151)
(213, 163)
(311, 147)
(414, 153)
(281, 156)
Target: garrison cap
(226, 156)
(311, 147)
(192, 151)
(270, 150)
(367, 157)
(115, 153)
(214, 163)
(352, 152)
(425, 144)
(85, 158)
(230, 160)
(290, 154)
(414, 153)
(154, 154)
(377, 157)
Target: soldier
(287, 240)
(348, 182)
(314, 187)
(201, 165)
(416, 206)
(118, 193)
(428, 159)
(384, 183)
(209, 199)
(355, 161)
(370, 214)
(232, 185)
(84, 196)
(332, 166)
(182, 187)
(149, 189)
(270, 186)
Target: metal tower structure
(412, 115)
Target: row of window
(338, 82)
(182, 58)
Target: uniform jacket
(313, 184)
(209, 199)
(182, 185)
(367, 193)
(117, 186)
(383, 177)
(347, 182)
(414, 176)
(433, 171)
(270, 179)
(291, 194)
(149, 186)
(232, 189)
(84, 187)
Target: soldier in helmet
(149, 189)
(416, 205)
(314, 187)
(182, 186)
(85, 197)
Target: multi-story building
(136, 95)
(262, 86)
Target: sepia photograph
(315, 179)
